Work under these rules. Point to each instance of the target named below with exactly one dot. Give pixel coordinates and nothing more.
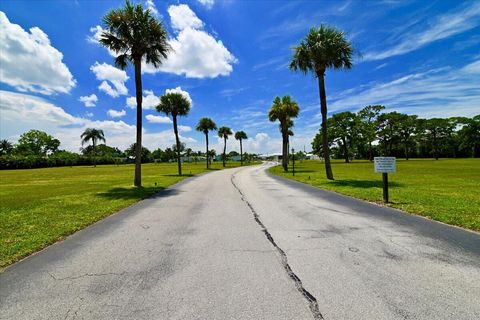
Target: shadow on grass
(176, 175)
(365, 184)
(133, 193)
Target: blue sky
(231, 57)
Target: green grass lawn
(42, 206)
(447, 190)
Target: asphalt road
(240, 244)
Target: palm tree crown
(224, 132)
(323, 48)
(241, 135)
(134, 33)
(92, 134)
(174, 104)
(206, 124)
(283, 109)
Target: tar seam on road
(312, 301)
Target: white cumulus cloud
(29, 62)
(184, 128)
(116, 113)
(182, 92)
(157, 119)
(207, 3)
(150, 100)
(89, 101)
(113, 78)
(196, 53)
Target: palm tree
(135, 34)
(283, 110)
(174, 104)
(240, 136)
(94, 135)
(323, 48)
(204, 125)
(6, 147)
(224, 132)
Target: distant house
(271, 156)
(311, 156)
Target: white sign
(385, 164)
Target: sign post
(385, 165)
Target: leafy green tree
(224, 132)
(94, 135)
(131, 152)
(407, 128)
(205, 125)
(323, 48)
(469, 135)
(102, 150)
(175, 104)
(6, 147)
(368, 117)
(317, 143)
(344, 128)
(240, 136)
(437, 131)
(388, 131)
(283, 110)
(38, 143)
(134, 34)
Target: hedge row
(29, 162)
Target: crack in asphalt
(87, 275)
(312, 301)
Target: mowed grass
(42, 206)
(447, 190)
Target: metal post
(385, 187)
(293, 161)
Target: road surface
(240, 244)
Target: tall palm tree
(283, 110)
(94, 135)
(135, 35)
(174, 104)
(204, 125)
(240, 136)
(323, 48)
(224, 132)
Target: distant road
(240, 244)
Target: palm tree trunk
(224, 150)
(94, 155)
(175, 129)
(138, 148)
(323, 110)
(284, 151)
(206, 154)
(241, 153)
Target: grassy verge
(447, 190)
(42, 206)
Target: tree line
(38, 149)
(369, 133)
